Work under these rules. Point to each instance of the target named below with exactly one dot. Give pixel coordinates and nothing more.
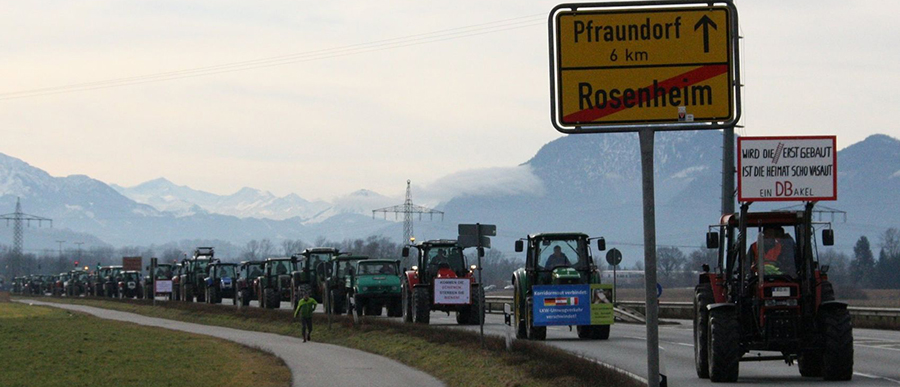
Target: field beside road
(454, 356)
(41, 346)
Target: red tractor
(440, 272)
(789, 309)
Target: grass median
(43, 346)
(452, 355)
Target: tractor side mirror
(520, 246)
(828, 237)
(712, 240)
(824, 269)
(294, 259)
(405, 252)
(601, 244)
(705, 268)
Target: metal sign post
(477, 235)
(646, 66)
(153, 264)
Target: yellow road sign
(643, 66)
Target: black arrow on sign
(705, 22)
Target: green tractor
(304, 279)
(274, 286)
(373, 285)
(193, 275)
(18, 285)
(106, 281)
(561, 278)
(331, 280)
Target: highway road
(877, 353)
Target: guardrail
(863, 317)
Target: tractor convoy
(768, 293)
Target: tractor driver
(558, 258)
(774, 247)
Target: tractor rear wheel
(201, 296)
(584, 331)
(810, 364)
(213, 296)
(273, 299)
(395, 309)
(703, 297)
(837, 360)
(406, 302)
(422, 305)
(724, 345)
(600, 332)
(337, 303)
(244, 296)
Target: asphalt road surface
(876, 352)
(311, 364)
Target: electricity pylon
(18, 218)
(408, 209)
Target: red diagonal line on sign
(692, 77)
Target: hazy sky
(325, 127)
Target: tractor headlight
(365, 288)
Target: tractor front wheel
(422, 305)
(837, 360)
(405, 302)
(703, 297)
(724, 345)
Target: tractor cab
(559, 258)
(439, 259)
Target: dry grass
(452, 355)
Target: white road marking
(876, 377)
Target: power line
(306, 56)
(18, 219)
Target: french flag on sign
(560, 301)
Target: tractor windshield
(200, 265)
(562, 253)
(163, 272)
(316, 258)
(451, 256)
(778, 248)
(254, 270)
(375, 268)
(281, 267)
(132, 276)
(224, 271)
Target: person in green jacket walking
(305, 309)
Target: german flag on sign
(560, 301)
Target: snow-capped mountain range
(588, 183)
